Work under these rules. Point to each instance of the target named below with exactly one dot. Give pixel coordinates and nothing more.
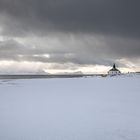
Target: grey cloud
(116, 17)
(9, 49)
(124, 47)
(12, 50)
(80, 50)
(85, 31)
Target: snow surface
(93, 108)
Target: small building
(114, 71)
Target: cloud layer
(91, 32)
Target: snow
(93, 108)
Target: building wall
(113, 72)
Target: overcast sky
(69, 35)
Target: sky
(59, 36)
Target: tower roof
(114, 68)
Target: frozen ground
(70, 109)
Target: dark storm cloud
(102, 31)
(119, 17)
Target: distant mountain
(71, 73)
(25, 73)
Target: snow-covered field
(93, 108)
